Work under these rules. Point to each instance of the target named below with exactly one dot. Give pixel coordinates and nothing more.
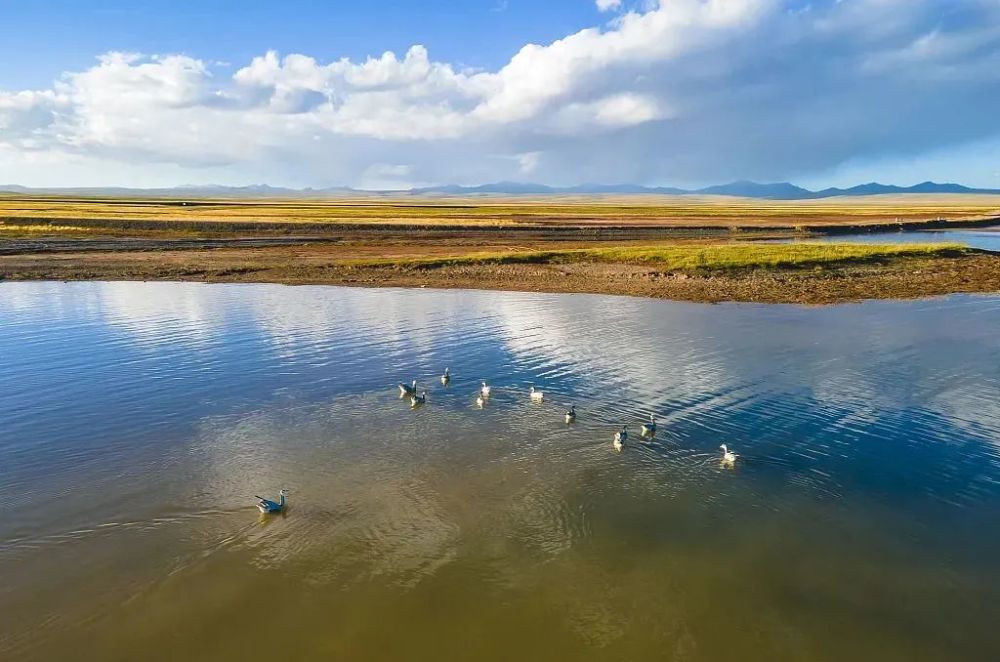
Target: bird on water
(408, 390)
(571, 414)
(446, 377)
(649, 429)
(728, 457)
(267, 506)
(620, 438)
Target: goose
(649, 429)
(446, 377)
(536, 396)
(728, 457)
(408, 390)
(417, 400)
(620, 438)
(571, 414)
(485, 390)
(267, 506)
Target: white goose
(485, 390)
(620, 438)
(728, 457)
(405, 390)
(649, 429)
(417, 400)
(571, 414)
(536, 396)
(446, 377)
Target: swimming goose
(446, 377)
(408, 390)
(728, 457)
(485, 390)
(536, 396)
(571, 414)
(268, 506)
(649, 429)
(620, 438)
(417, 400)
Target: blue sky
(63, 35)
(682, 92)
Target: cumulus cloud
(608, 5)
(678, 90)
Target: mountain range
(746, 189)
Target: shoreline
(901, 277)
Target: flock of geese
(417, 399)
(647, 431)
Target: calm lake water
(138, 420)
(986, 239)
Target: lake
(987, 239)
(138, 421)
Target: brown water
(137, 421)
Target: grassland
(40, 229)
(697, 249)
(662, 211)
(686, 258)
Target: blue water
(987, 239)
(137, 421)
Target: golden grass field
(701, 211)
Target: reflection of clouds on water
(797, 381)
(973, 410)
(507, 507)
(396, 320)
(615, 349)
(156, 313)
(50, 300)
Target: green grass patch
(723, 257)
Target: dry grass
(710, 211)
(15, 229)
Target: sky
(404, 93)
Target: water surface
(987, 239)
(137, 421)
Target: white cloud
(528, 162)
(608, 5)
(683, 89)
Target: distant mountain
(505, 188)
(746, 189)
(188, 191)
(743, 189)
(624, 189)
(874, 188)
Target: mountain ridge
(742, 188)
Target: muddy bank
(905, 277)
